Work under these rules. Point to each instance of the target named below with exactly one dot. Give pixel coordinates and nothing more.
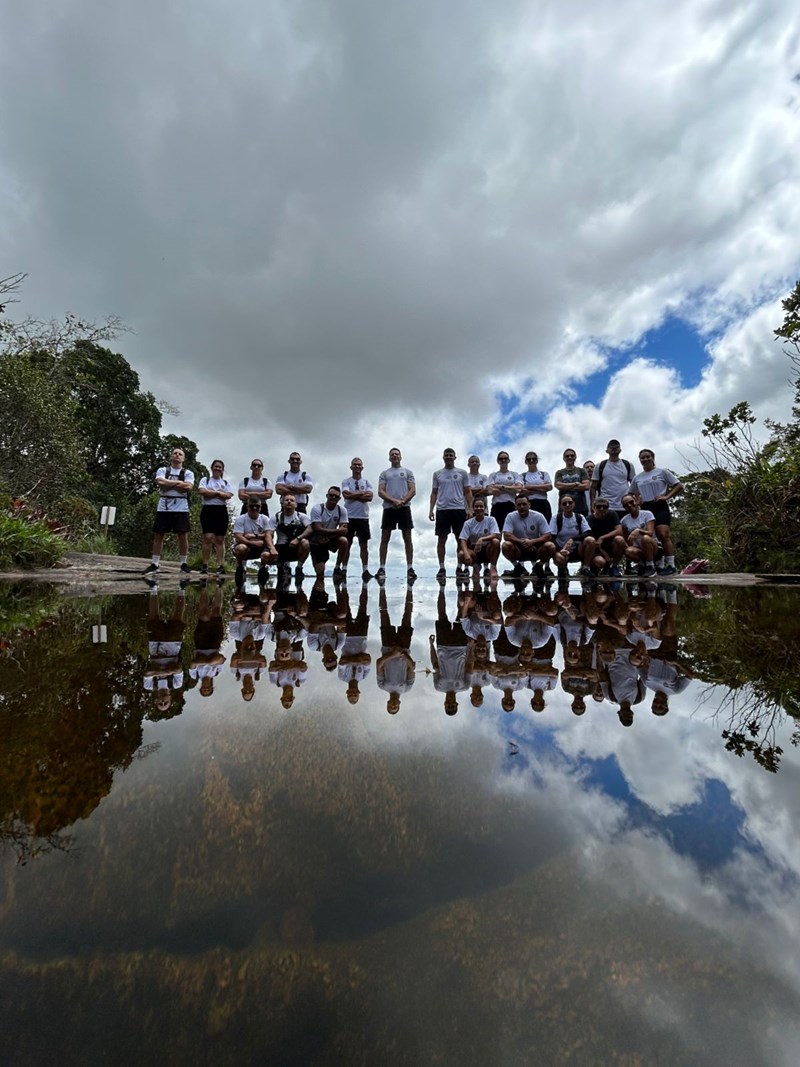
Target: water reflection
(501, 870)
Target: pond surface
(401, 827)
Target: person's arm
(616, 532)
(412, 491)
(434, 656)
(382, 493)
(204, 491)
(593, 491)
(674, 490)
(434, 496)
(468, 500)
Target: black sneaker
(299, 573)
(365, 575)
(152, 569)
(518, 571)
(411, 574)
(441, 575)
(263, 575)
(339, 572)
(204, 568)
(221, 570)
(239, 575)
(185, 568)
(380, 574)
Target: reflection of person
(163, 674)
(174, 484)
(395, 669)
(358, 493)
(354, 661)
(326, 623)
(625, 685)
(208, 634)
(448, 651)
(288, 670)
(450, 504)
(397, 487)
(216, 491)
(249, 629)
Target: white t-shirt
(288, 529)
(451, 674)
(629, 523)
(255, 485)
(571, 526)
(477, 481)
(533, 525)
(297, 478)
(329, 519)
(396, 481)
(357, 509)
(474, 528)
(217, 484)
(613, 484)
(504, 478)
(244, 524)
(530, 479)
(654, 483)
(173, 499)
(395, 677)
(449, 486)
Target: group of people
(609, 519)
(614, 646)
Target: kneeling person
(572, 536)
(330, 528)
(251, 539)
(526, 537)
(289, 536)
(479, 540)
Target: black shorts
(480, 555)
(214, 519)
(287, 553)
(252, 553)
(358, 528)
(172, 522)
(660, 509)
(501, 511)
(450, 520)
(450, 634)
(320, 553)
(397, 518)
(542, 506)
(209, 634)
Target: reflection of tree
(728, 645)
(72, 715)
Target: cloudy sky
(341, 226)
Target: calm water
(220, 847)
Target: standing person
(477, 481)
(250, 540)
(255, 484)
(295, 481)
(172, 515)
(588, 466)
(289, 537)
(572, 481)
(329, 526)
(451, 496)
(358, 493)
(503, 486)
(655, 487)
(397, 487)
(479, 541)
(537, 484)
(611, 477)
(216, 491)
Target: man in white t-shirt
(358, 493)
(611, 478)
(656, 486)
(397, 487)
(329, 533)
(451, 497)
(526, 537)
(295, 481)
(250, 541)
(174, 484)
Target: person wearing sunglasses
(639, 528)
(329, 532)
(503, 486)
(609, 542)
(572, 481)
(251, 540)
(255, 484)
(537, 484)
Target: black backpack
(581, 532)
(178, 478)
(264, 504)
(601, 466)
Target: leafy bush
(27, 543)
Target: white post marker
(99, 634)
(107, 516)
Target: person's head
(508, 703)
(481, 648)
(450, 703)
(473, 463)
(531, 459)
(578, 705)
(601, 506)
(256, 468)
(588, 466)
(631, 504)
(356, 466)
(253, 505)
(647, 458)
(479, 507)
(329, 659)
(660, 705)
(476, 696)
(567, 504)
(569, 457)
(537, 700)
(206, 686)
(522, 504)
(613, 449)
(290, 503)
(353, 692)
(332, 497)
(295, 459)
(217, 468)
(177, 456)
(625, 713)
(287, 696)
(395, 456)
(248, 687)
(502, 459)
(393, 703)
(449, 457)
(163, 699)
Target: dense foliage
(77, 432)
(743, 510)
